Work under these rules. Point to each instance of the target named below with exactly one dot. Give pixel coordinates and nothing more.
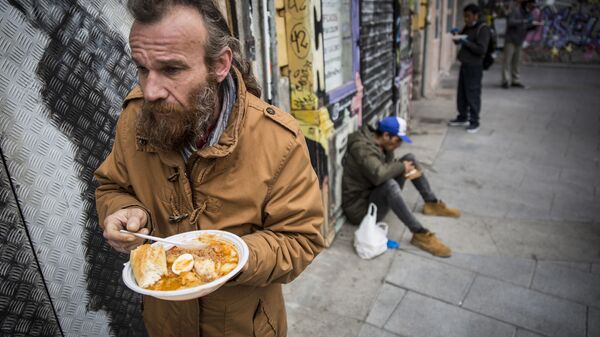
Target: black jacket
(473, 50)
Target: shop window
(340, 52)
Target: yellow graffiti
(297, 8)
(419, 18)
(316, 125)
(300, 53)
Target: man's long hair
(219, 36)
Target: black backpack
(490, 52)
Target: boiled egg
(184, 262)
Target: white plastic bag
(370, 239)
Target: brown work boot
(429, 243)
(440, 208)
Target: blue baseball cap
(394, 126)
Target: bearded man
(196, 149)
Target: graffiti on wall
(65, 72)
(317, 127)
(404, 87)
(304, 58)
(337, 150)
(326, 142)
(570, 33)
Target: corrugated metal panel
(64, 72)
(25, 309)
(377, 56)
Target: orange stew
(210, 263)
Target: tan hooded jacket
(257, 182)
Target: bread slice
(149, 264)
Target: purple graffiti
(573, 27)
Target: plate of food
(172, 273)
(459, 37)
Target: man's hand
(408, 166)
(133, 219)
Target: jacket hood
(364, 136)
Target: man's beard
(168, 126)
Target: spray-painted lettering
(297, 6)
(569, 34)
(300, 41)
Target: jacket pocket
(263, 326)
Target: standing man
(372, 174)
(196, 148)
(519, 21)
(473, 40)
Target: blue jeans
(389, 195)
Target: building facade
(334, 64)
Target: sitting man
(372, 174)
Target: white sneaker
(458, 122)
(472, 128)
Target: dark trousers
(468, 98)
(389, 195)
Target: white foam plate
(198, 291)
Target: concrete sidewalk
(526, 257)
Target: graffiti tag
(300, 41)
(570, 29)
(302, 78)
(297, 7)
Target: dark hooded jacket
(366, 166)
(474, 48)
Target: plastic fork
(184, 245)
